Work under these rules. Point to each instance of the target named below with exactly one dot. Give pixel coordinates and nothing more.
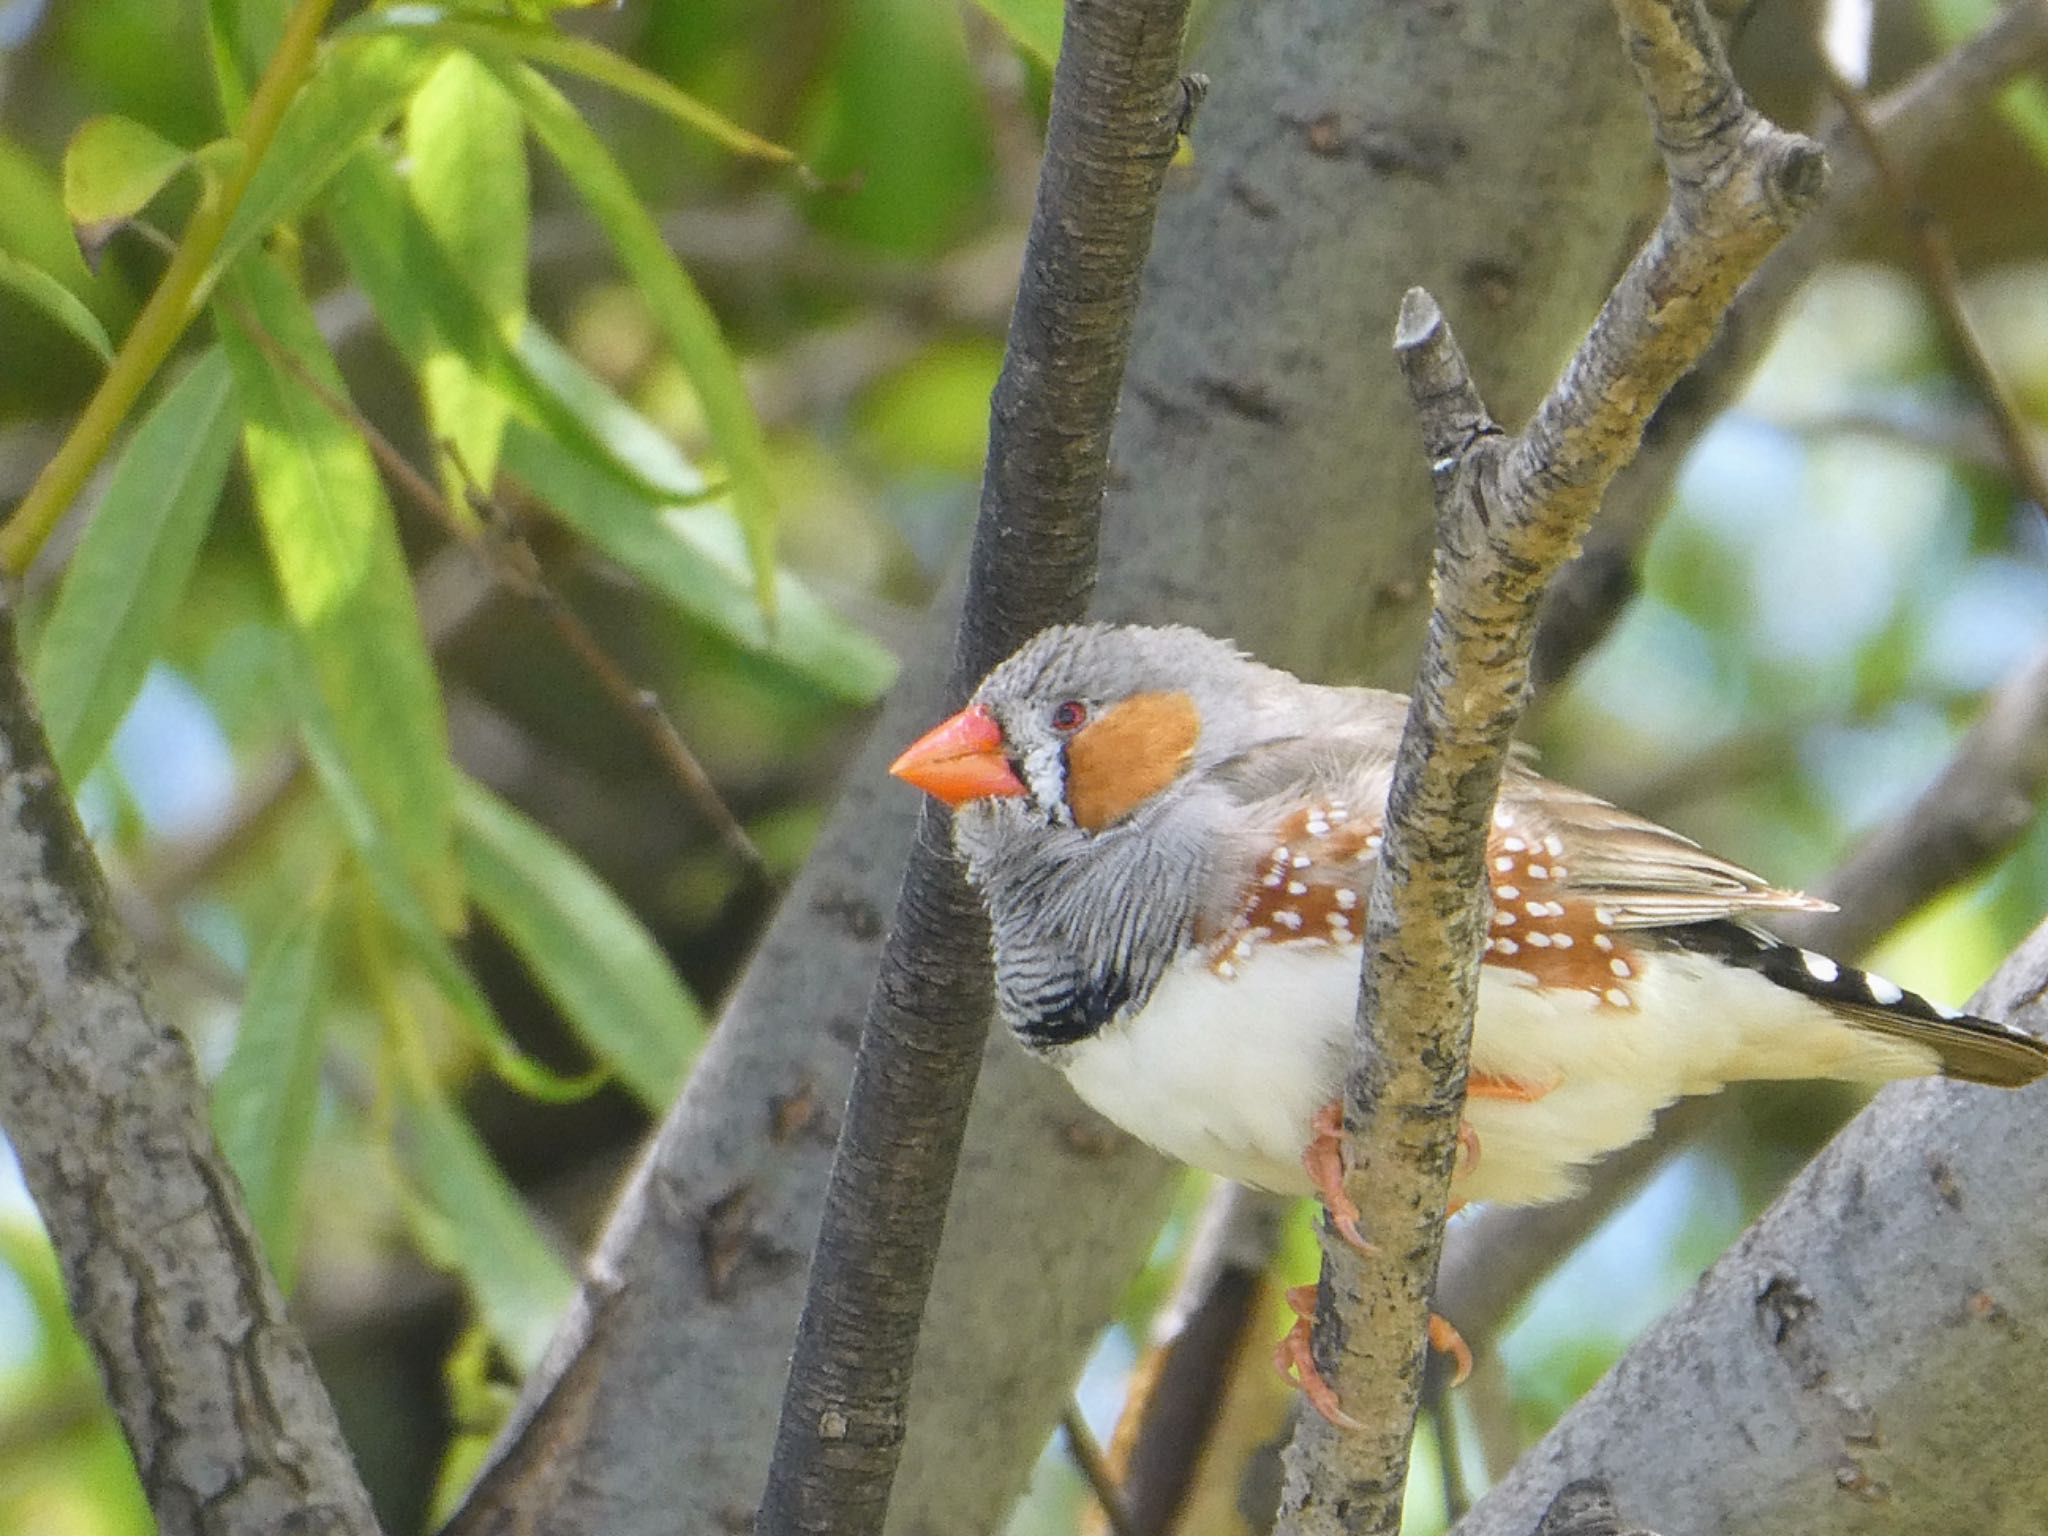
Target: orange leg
(1324, 1160)
(1446, 1340)
(1296, 1361)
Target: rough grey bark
(1865, 1356)
(230, 1428)
(1117, 106)
(1347, 147)
(1510, 512)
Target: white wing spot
(1882, 991)
(1553, 845)
(1618, 998)
(1347, 898)
(1287, 917)
(1504, 919)
(1557, 871)
(1318, 827)
(1373, 842)
(1296, 888)
(1957, 1013)
(1225, 969)
(1620, 967)
(1601, 941)
(1561, 940)
(1819, 967)
(1302, 861)
(1271, 880)
(1507, 946)
(1504, 864)
(1513, 844)
(1536, 908)
(1604, 916)
(1539, 872)
(1540, 940)
(1506, 892)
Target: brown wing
(1640, 874)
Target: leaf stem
(178, 297)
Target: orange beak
(960, 760)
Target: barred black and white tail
(1972, 1049)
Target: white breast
(1225, 1074)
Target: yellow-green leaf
(427, 305)
(359, 87)
(470, 1219)
(584, 945)
(693, 556)
(1034, 24)
(57, 302)
(679, 310)
(544, 45)
(467, 149)
(333, 545)
(113, 167)
(397, 902)
(130, 568)
(267, 1096)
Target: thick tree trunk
(1266, 484)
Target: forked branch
(1510, 511)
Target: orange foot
(1324, 1160)
(1296, 1361)
(1446, 1340)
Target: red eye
(1068, 716)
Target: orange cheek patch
(1132, 751)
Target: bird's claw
(1323, 1159)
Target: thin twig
(1944, 284)
(1095, 1471)
(1116, 105)
(1510, 512)
(1220, 1305)
(1914, 120)
(505, 553)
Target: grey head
(1093, 867)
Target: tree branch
(1116, 112)
(1913, 121)
(1510, 512)
(231, 1430)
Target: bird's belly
(1226, 1073)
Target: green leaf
(124, 581)
(507, 40)
(427, 305)
(357, 90)
(266, 1098)
(467, 148)
(56, 302)
(693, 556)
(113, 168)
(401, 906)
(334, 548)
(1033, 24)
(585, 946)
(679, 310)
(471, 1220)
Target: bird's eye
(1068, 716)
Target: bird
(1175, 844)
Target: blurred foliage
(692, 311)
